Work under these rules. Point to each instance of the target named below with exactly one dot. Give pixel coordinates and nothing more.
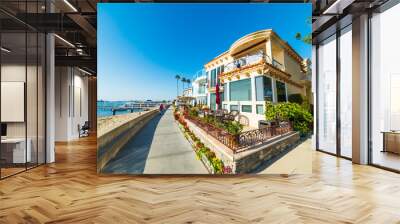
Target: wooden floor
(70, 191)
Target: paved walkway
(297, 161)
(159, 148)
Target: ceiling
(329, 14)
(73, 21)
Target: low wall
(251, 159)
(221, 151)
(119, 130)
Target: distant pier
(133, 106)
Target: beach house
(199, 85)
(257, 68)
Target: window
(22, 101)
(234, 107)
(212, 101)
(263, 88)
(346, 92)
(281, 91)
(225, 90)
(260, 88)
(217, 74)
(214, 75)
(202, 89)
(385, 89)
(240, 90)
(327, 95)
(219, 71)
(260, 109)
(246, 108)
(222, 96)
(213, 78)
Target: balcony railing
(278, 65)
(251, 60)
(200, 74)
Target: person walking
(161, 108)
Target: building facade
(199, 85)
(258, 68)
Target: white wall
(33, 126)
(71, 103)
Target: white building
(199, 85)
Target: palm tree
(177, 77)
(188, 82)
(183, 83)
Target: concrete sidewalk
(159, 148)
(297, 161)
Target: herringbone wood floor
(70, 191)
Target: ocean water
(104, 108)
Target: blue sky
(141, 47)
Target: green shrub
(218, 165)
(193, 112)
(202, 151)
(210, 155)
(306, 105)
(298, 115)
(233, 127)
(296, 98)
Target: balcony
(201, 90)
(278, 65)
(251, 60)
(200, 77)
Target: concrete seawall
(114, 132)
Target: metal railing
(244, 140)
(251, 138)
(251, 60)
(277, 64)
(199, 74)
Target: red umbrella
(217, 98)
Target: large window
(202, 88)
(240, 90)
(213, 78)
(327, 95)
(385, 89)
(264, 88)
(281, 91)
(214, 75)
(346, 92)
(22, 101)
(213, 101)
(225, 90)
